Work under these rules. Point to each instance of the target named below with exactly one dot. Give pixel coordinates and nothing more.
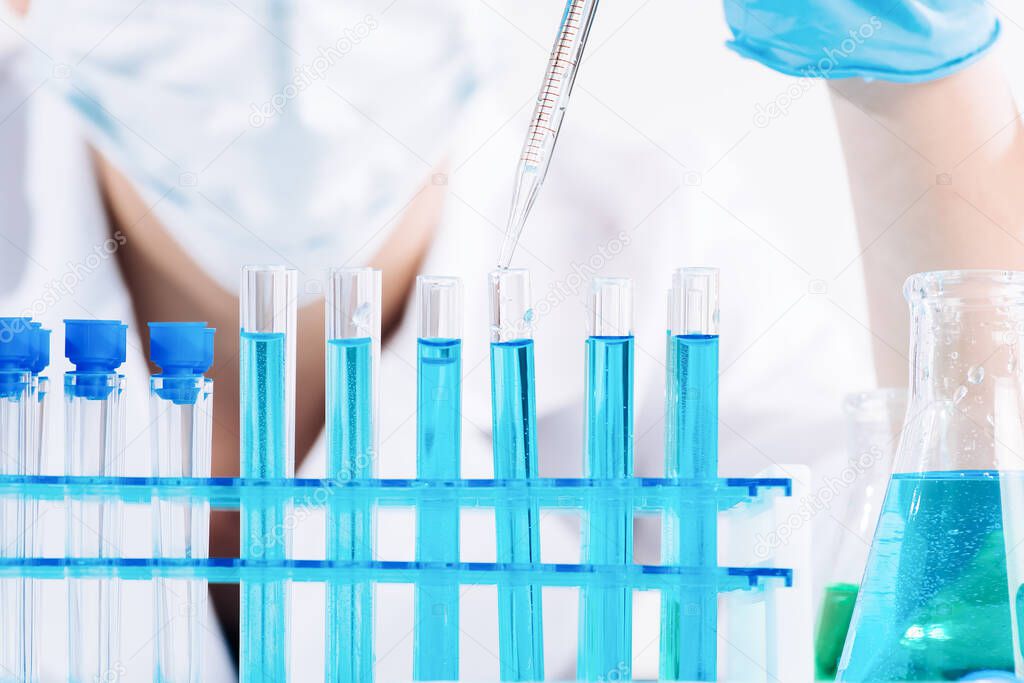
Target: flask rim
(969, 287)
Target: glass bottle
(934, 600)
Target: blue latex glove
(892, 40)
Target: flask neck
(967, 384)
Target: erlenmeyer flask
(934, 600)
(874, 420)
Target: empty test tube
(17, 341)
(353, 321)
(606, 612)
(689, 616)
(514, 427)
(33, 532)
(94, 440)
(267, 416)
(181, 412)
(438, 456)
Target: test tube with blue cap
(606, 612)
(268, 303)
(181, 409)
(16, 354)
(40, 391)
(32, 531)
(353, 331)
(514, 428)
(438, 456)
(94, 441)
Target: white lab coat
(658, 168)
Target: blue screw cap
(96, 348)
(16, 344)
(181, 349)
(183, 352)
(95, 345)
(16, 352)
(40, 348)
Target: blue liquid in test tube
(353, 355)
(514, 418)
(689, 616)
(266, 393)
(606, 613)
(438, 448)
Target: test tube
(438, 456)
(353, 322)
(606, 612)
(95, 427)
(267, 416)
(181, 410)
(514, 428)
(689, 616)
(32, 530)
(16, 351)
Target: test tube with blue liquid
(267, 417)
(606, 612)
(438, 456)
(689, 615)
(353, 329)
(181, 411)
(94, 402)
(17, 340)
(514, 428)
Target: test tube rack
(692, 582)
(645, 495)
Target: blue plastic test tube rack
(690, 494)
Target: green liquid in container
(833, 625)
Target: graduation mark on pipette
(548, 114)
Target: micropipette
(548, 115)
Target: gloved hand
(893, 40)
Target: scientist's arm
(936, 172)
(929, 130)
(166, 284)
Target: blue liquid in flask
(438, 445)
(513, 404)
(350, 443)
(264, 455)
(935, 602)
